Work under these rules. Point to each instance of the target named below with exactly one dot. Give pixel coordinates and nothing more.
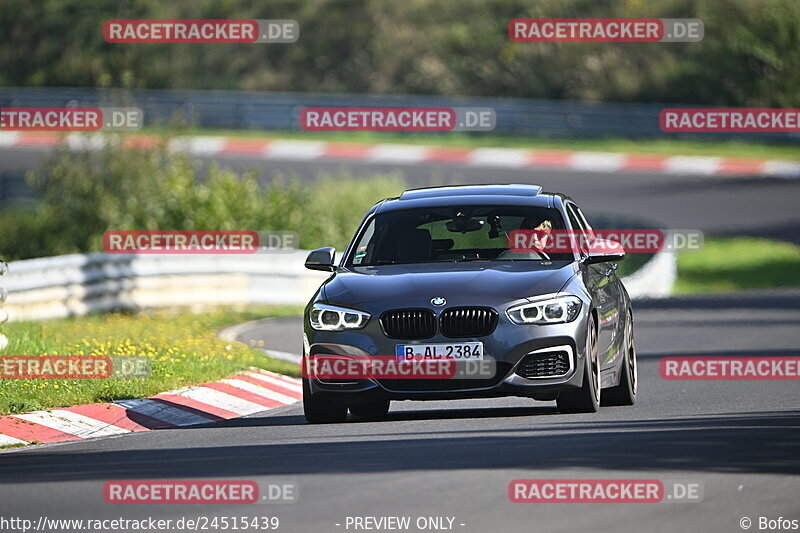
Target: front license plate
(465, 351)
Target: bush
(85, 194)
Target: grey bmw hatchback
(433, 275)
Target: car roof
(511, 194)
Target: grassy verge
(728, 264)
(632, 263)
(693, 147)
(183, 348)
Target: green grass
(729, 264)
(697, 147)
(632, 263)
(183, 349)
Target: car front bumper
(508, 345)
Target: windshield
(449, 234)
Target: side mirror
(604, 251)
(321, 259)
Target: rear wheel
(321, 410)
(373, 410)
(587, 398)
(625, 392)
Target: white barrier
(655, 279)
(69, 285)
(73, 285)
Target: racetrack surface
(739, 439)
(724, 205)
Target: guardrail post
(3, 312)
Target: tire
(625, 392)
(376, 410)
(587, 398)
(321, 410)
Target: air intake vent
(544, 365)
(468, 321)
(409, 324)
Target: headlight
(551, 310)
(325, 317)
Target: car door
(602, 280)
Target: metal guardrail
(74, 285)
(247, 110)
(3, 312)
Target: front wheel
(321, 410)
(625, 392)
(587, 398)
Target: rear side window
(578, 224)
(583, 219)
(574, 221)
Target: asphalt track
(739, 439)
(723, 205)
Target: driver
(541, 228)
